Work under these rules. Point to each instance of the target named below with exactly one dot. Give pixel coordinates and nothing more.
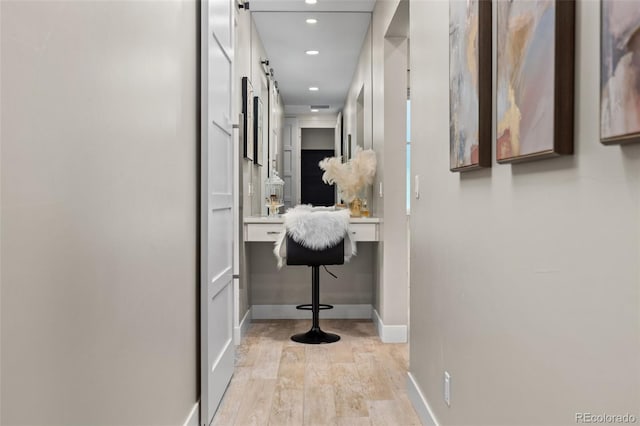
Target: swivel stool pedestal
(297, 254)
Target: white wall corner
(241, 329)
(290, 312)
(389, 333)
(193, 419)
(420, 403)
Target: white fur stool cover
(315, 228)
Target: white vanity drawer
(364, 231)
(262, 231)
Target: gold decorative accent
(355, 207)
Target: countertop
(280, 219)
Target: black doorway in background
(312, 189)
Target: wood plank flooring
(356, 381)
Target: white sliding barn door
(217, 207)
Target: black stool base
(315, 336)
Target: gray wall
(394, 305)
(98, 228)
(390, 257)
(319, 138)
(525, 278)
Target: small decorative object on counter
(356, 207)
(274, 193)
(351, 177)
(364, 211)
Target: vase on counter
(355, 207)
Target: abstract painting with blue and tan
(620, 71)
(463, 83)
(525, 78)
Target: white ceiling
(338, 36)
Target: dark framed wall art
(258, 131)
(619, 71)
(469, 84)
(247, 119)
(535, 79)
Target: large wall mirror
(317, 58)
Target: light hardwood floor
(356, 381)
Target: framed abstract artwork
(620, 71)
(469, 84)
(247, 119)
(535, 74)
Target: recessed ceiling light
(315, 110)
(313, 89)
(312, 21)
(311, 52)
(310, 1)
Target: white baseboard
(290, 312)
(240, 330)
(389, 333)
(193, 419)
(420, 403)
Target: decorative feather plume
(352, 176)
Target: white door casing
(217, 206)
(288, 162)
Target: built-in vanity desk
(276, 292)
(267, 229)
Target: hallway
(356, 381)
(149, 152)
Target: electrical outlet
(416, 186)
(447, 388)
